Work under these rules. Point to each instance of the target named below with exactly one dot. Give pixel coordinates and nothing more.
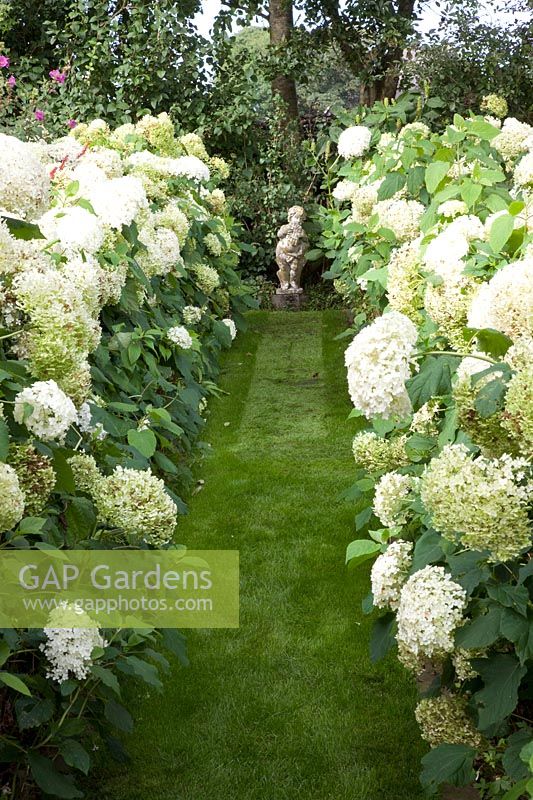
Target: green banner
(119, 588)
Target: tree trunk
(281, 27)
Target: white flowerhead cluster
(431, 607)
(194, 146)
(417, 128)
(388, 141)
(191, 167)
(404, 282)
(444, 720)
(216, 200)
(400, 216)
(344, 190)
(118, 201)
(24, 181)
(391, 495)
(452, 208)
(375, 454)
(445, 253)
(192, 315)
(162, 250)
(495, 104)
(363, 201)
(12, 506)
(379, 362)
(158, 131)
(506, 301)
(213, 244)
(107, 160)
(207, 278)
(389, 573)
(231, 327)
(479, 501)
(180, 336)
(75, 227)
(354, 141)
(513, 139)
(136, 501)
(171, 216)
(523, 174)
(69, 649)
(45, 410)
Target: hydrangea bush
(434, 229)
(118, 292)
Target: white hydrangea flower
(344, 190)
(523, 174)
(404, 281)
(192, 315)
(191, 167)
(24, 181)
(354, 141)
(506, 301)
(400, 216)
(452, 208)
(75, 227)
(389, 573)
(13, 502)
(137, 502)
(69, 649)
(45, 410)
(229, 323)
(363, 201)
(391, 493)
(480, 501)
(107, 160)
(162, 250)
(513, 139)
(180, 336)
(378, 362)
(119, 200)
(417, 127)
(431, 607)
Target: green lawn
(287, 707)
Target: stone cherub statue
(290, 251)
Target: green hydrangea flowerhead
(481, 502)
(518, 412)
(12, 506)
(495, 104)
(85, 471)
(444, 720)
(194, 146)
(375, 454)
(404, 283)
(159, 133)
(36, 476)
(136, 501)
(207, 278)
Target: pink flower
(72, 123)
(39, 115)
(4, 61)
(11, 81)
(57, 76)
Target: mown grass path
(287, 707)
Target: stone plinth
(287, 300)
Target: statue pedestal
(289, 300)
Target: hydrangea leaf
(382, 637)
(448, 763)
(500, 232)
(50, 780)
(502, 675)
(435, 173)
(361, 550)
(143, 441)
(433, 380)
